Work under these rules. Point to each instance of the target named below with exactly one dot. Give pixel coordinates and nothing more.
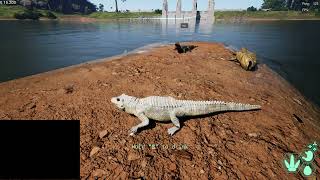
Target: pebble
(98, 173)
(201, 171)
(94, 151)
(297, 101)
(220, 163)
(259, 75)
(123, 142)
(143, 163)
(253, 134)
(172, 167)
(103, 133)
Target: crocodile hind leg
(176, 123)
(144, 122)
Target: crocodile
(184, 49)
(247, 59)
(167, 108)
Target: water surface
(30, 47)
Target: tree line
(297, 5)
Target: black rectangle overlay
(39, 149)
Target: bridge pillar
(194, 7)
(178, 10)
(211, 8)
(165, 9)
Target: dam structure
(184, 15)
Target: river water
(291, 48)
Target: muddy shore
(231, 145)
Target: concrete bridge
(194, 14)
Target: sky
(134, 5)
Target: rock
(143, 163)
(103, 133)
(172, 167)
(83, 157)
(69, 89)
(123, 141)
(253, 135)
(98, 173)
(94, 151)
(201, 171)
(220, 163)
(259, 75)
(297, 101)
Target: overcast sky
(186, 4)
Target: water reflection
(195, 25)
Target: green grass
(265, 15)
(114, 15)
(8, 11)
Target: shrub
(158, 11)
(27, 14)
(50, 15)
(251, 8)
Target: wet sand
(227, 145)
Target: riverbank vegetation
(21, 12)
(118, 15)
(270, 10)
(9, 11)
(35, 9)
(277, 10)
(281, 15)
(34, 15)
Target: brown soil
(231, 145)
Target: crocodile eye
(118, 99)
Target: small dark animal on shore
(184, 49)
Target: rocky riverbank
(227, 145)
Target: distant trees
(278, 5)
(116, 2)
(158, 11)
(71, 6)
(101, 7)
(251, 8)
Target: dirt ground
(231, 145)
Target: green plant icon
(292, 166)
(313, 147)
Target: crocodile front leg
(144, 122)
(176, 123)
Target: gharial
(169, 109)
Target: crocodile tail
(241, 107)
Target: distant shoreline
(265, 16)
(219, 16)
(88, 19)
